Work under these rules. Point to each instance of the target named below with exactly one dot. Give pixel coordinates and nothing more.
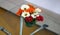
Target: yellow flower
(25, 14)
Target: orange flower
(31, 9)
(19, 12)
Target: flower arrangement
(30, 14)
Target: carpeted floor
(11, 22)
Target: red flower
(29, 19)
(39, 18)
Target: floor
(11, 22)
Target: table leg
(21, 25)
(4, 30)
(36, 30)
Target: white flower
(34, 15)
(23, 7)
(25, 14)
(38, 10)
